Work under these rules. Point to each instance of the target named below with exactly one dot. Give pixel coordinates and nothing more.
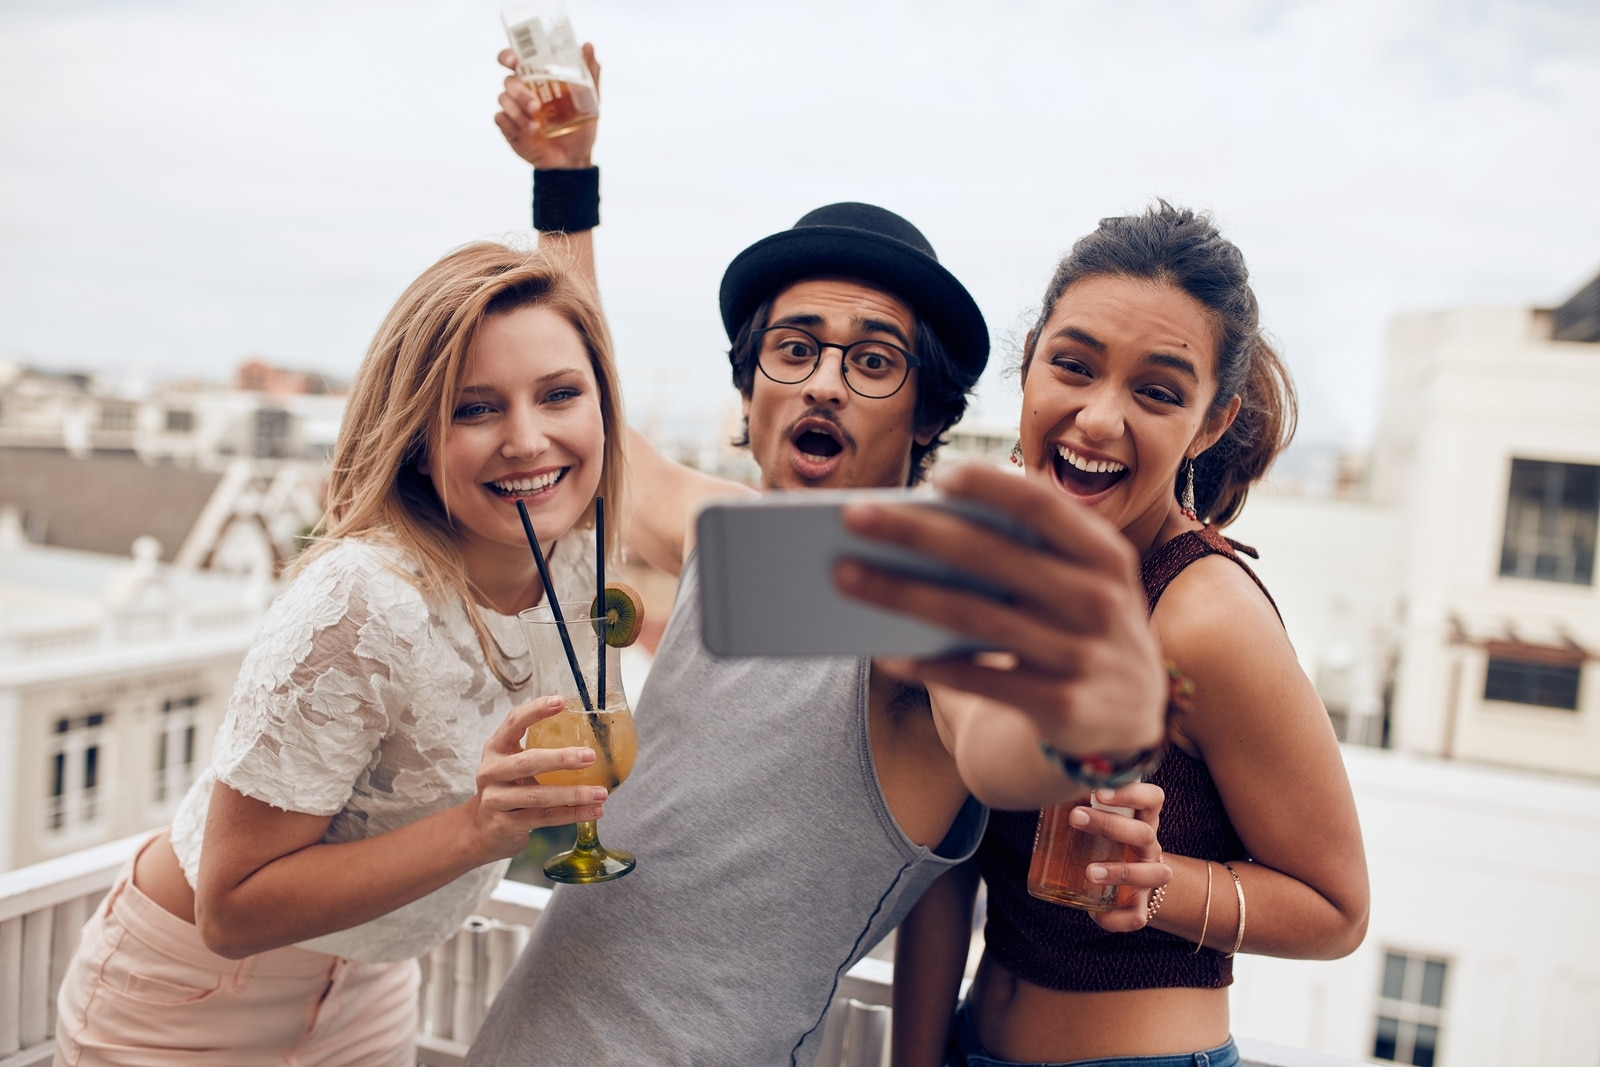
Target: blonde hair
(405, 395)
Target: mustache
(823, 415)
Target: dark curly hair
(1178, 247)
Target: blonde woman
(368, 783)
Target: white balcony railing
(43, 908)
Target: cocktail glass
(608, 729)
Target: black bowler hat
(866, 242)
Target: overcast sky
(185, 183)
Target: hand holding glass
(1062, 853)
(608, 729)
(550, 61)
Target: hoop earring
(1016, 453)
(1186, 502)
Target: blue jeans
(967, 1051)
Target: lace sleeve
(317, 692)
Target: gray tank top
(768, 864)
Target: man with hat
(786, 812)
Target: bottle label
(532, 44)
(1094, 802)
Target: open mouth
(1086, 477)
(511, 488)
(818, 446)
(817, 441)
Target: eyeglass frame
(758, 336)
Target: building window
(180, 420)
(175, 748)
(272, 434)
(117, 417)
(76, 770)
(1552, 512)
(1410, 1010)
(1533, 674)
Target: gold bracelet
(1158, 897)
(1206, 922)
(1238, 887)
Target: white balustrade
(43, 909)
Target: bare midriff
(158, 875)
(1018, 1020)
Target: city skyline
(188, 186)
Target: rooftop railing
(43, 908)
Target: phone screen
(766, 579)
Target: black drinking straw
(600, 583)
(555, 605)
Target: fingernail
(1097, 873)
(1078, 816)
(848, 576)
(585, 755)
(598, 795)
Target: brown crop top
(1059, 947)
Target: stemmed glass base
(588, 861)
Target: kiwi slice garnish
(623, 614)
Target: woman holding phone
(1150, 398)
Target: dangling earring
(1186, 502)
(1016, 453)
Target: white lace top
(362, 700)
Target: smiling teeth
(1090, 466)
(528, 485)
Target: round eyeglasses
(871, 368)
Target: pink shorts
(144, 991)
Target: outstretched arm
(1082, 669)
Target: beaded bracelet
(1158, 896)
(1104, 772)
(1108, 772)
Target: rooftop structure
(114, 672)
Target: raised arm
(569, 152)
(662, 497)
(1082, 670)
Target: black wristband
(566, 201)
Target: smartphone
(766, 577)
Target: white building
(1452, 615)
(1491, 448)
(269, 415)
(114, 673)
